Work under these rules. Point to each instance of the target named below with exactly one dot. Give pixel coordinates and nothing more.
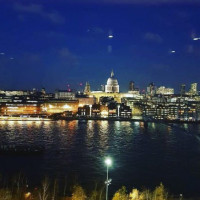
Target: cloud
(37, 9)
(153, 37)
(192, 49)
(68, 57)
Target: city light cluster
(156, 103)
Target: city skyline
(80, 87)
(53, 45)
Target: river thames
(144, 154)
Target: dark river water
(143, 154)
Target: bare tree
(65, 187)
(54, 190)
(43, 194)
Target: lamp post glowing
(108, 163)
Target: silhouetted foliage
(19, 190)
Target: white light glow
(195, 39)
(50, 106)
(66, 106)
(108, 161)
(104, 113)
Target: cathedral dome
(112, 81)
(112, 84)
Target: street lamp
(108, 163)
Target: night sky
(61, 42)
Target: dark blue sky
(55, 44)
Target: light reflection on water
(144, 153)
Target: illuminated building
(104, 111)
(59, 106)
(64, 94)
(95, 110)
(112, 84)
(4, 98)
(87, 88)
(84, 111)
(85, 100)
(165, 91)
(112, 91)
(160, 112)
(188, 111)
(19, 105)
(193, 89)
(131, 86)
(14, 92)
(124, 111)
(117, 96)
(132, 89)
(171, 108)
(103, 88)
(133, 103)
(151, 89)
(173, 111)
(28, 108)
(43, 91)
(112, 110)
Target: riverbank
(83, 118)
(124, 119)
(24, 118)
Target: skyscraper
(193, 89)
(131, 86)
(182, 89)
(151, 89)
